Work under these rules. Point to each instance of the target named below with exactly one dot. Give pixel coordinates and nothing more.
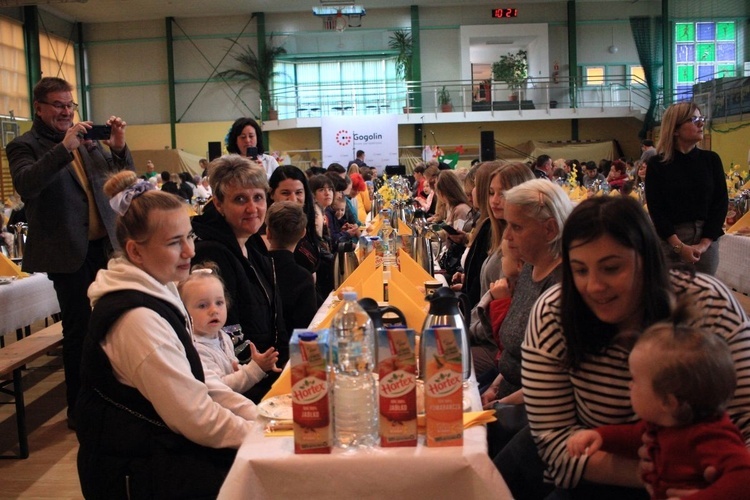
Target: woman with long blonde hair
(686, 190)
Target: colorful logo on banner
(343, 136)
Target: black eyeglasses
(696, 120)
(70, 106)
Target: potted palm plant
(401, 41)
(512, 69)
(444, 99)
(257, 72)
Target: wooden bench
(12, 359)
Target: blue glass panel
(685, 52)
(725, 52)
(706, 31)
(683, 92)
(706, 73)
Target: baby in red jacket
(682, 381)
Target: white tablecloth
(267, 468)
(734, 262)
(25, 301)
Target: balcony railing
(315, 101)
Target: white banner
(342, 136)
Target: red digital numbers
(504, 13)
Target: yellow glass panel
(594, 75)
(637, 75)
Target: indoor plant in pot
(401, 41)
(256, 71)
(512, 69)
(444, 99)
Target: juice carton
(443, 386)
(310, 392)
(397, 368)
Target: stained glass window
(703, 51)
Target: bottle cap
(349, 295)
(308, 336)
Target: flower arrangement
(395, 189)
(573, 176)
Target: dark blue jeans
(523, 470)
(75, 311)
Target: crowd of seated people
(553, 290)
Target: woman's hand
(490, 394)
(500, 289)
(584, 442)
(266, 360)
(460, 237)
(513, 399)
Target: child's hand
(499, 289)
(266, 360)
(584, 443)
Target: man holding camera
(59, 173)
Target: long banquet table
(25, 301)
(267, 468)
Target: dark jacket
(255, 303)
(297, 289)
(126, 449)
(474, 260)
(56, 203)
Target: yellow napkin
(375, 225)
(471, 419)
(413, 271)
(190, 210)
(9, 268)
(746, 185)
(740, 224)
(283, 384)
(408, 299)
(365, 268)
(403, 229)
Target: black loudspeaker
(487, 148)
(214, 150)
(395, 170)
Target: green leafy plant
(256, 70)
(512, 69)
(444, 97)
(401, 41)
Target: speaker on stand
(487, 145)
(214, 150)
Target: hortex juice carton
(443, 386)
(397, 388)
(311, 395)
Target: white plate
(277, 407)
(5, 280)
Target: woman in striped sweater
(574, 363)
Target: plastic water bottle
(388, 238)
(355, 410)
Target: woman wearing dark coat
(225, 231)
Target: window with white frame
(341, 86)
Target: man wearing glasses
(59, 175)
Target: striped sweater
(560, 402)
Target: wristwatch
(678, 248)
